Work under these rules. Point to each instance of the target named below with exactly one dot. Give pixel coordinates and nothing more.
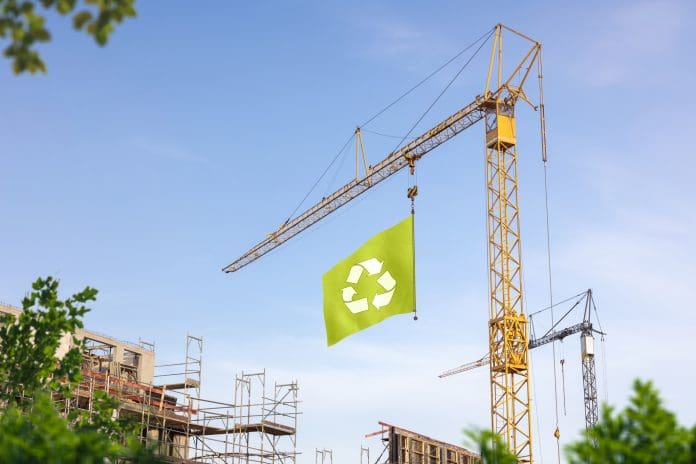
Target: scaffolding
(266, 431)
(181, 425)
(323, 456)
(364, 455)
(165, 400)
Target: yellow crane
(508, 325)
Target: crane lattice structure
(554, 333)
(508, 325)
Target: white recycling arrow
(382, 299)
(372, 266)
(357, 306)
(354, 274)
(387, 281)
(348, 294)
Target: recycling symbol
(372, 266)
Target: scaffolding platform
(185, 384)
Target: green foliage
(102, 420)
(31, 373)
(41, 435)
(644, 432)
(491, 446)
(28, 344)
(25, 27)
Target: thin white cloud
(392, 37)
(167, 150)
(407, 44)
(630, 40)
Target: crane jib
(393, 163)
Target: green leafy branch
(25, 26)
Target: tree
(491, 446)
(32, 373)
(28, 344)
(25, 26)
(41, 435)
(643, 433)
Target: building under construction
(258, 426)
(402, 446)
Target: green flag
(375, 282)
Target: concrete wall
(146, 358)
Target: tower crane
(586, 330)
(508, 325)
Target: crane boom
(560, 334)
(484, 361)
(393, 163)
(585, 327)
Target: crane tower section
(508, 328)
(508, 334)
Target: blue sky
(143, 168)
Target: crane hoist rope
(563, 388)
(550, 278)
(411, 193)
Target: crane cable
(381, 134)
(557, 432)
(604, 352)
(411, 193)
(542, 124)
(485, 36)
(565, 411)
(449, 84)
(531, 315)
(345, 145)
(604, 369)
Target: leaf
(81, 18)
(25, 26)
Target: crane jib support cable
(393, 163)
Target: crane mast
(589, 379)
(508, 327)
